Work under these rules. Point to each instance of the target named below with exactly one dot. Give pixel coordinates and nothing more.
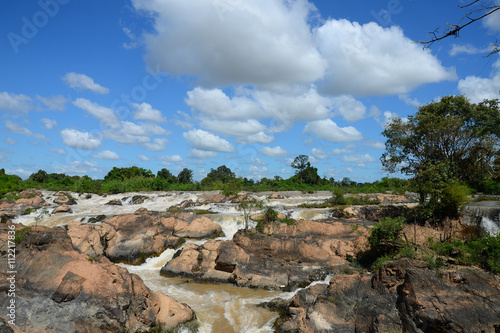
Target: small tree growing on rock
(247, 207)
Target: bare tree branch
(453, 29)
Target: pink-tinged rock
(62, 209)
(62, 290)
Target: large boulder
(286, 257)
(131, 238)
(65, 199)
(59, 289)
(403, 296)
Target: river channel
(218, 307)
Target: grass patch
(202, 211)
(21, 234)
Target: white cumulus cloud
(330, 131)
(80, 140)
(366, 158)
(49, 123)
(143, 158)
(371, 60)
(204, 140)
(145, 111)
(105, 115)
(83, 82)
(106, 155)
(274, 151)
(193, 38)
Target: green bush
(338, 196)
(453, 197)
(483, 252)
(385, 234)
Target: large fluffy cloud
(80, 140)
(272, 44)
(260, 42)
(371, 60)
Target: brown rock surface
(286, 257)
(59, 289)
(134, 237)
(65, 199)
(12, 208)
(403, 296)
(62, 209)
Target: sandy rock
(88, 239)
(200, 227)
(275, 196)
(133, 237)
(285, 257)
(64, 199)
(61, 290)
(216, 198)
(62, 209)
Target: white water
(218, 307)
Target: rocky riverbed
(92, 263)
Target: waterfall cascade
(483, 214)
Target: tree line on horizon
(448, 147)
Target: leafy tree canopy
(127, 173)
(167, 175)
(449, 140)
(185, 176)
(222, 174)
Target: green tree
(248, 207)
(448, 141)
(167, 175)
(222, 174)
(127, 173)
(185, 176)
(300, 163)
(39, 177)
(306, 173)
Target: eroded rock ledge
(285, 256)
(59, 289)
(131, 238)
(403, 296)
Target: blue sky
(88, 85)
